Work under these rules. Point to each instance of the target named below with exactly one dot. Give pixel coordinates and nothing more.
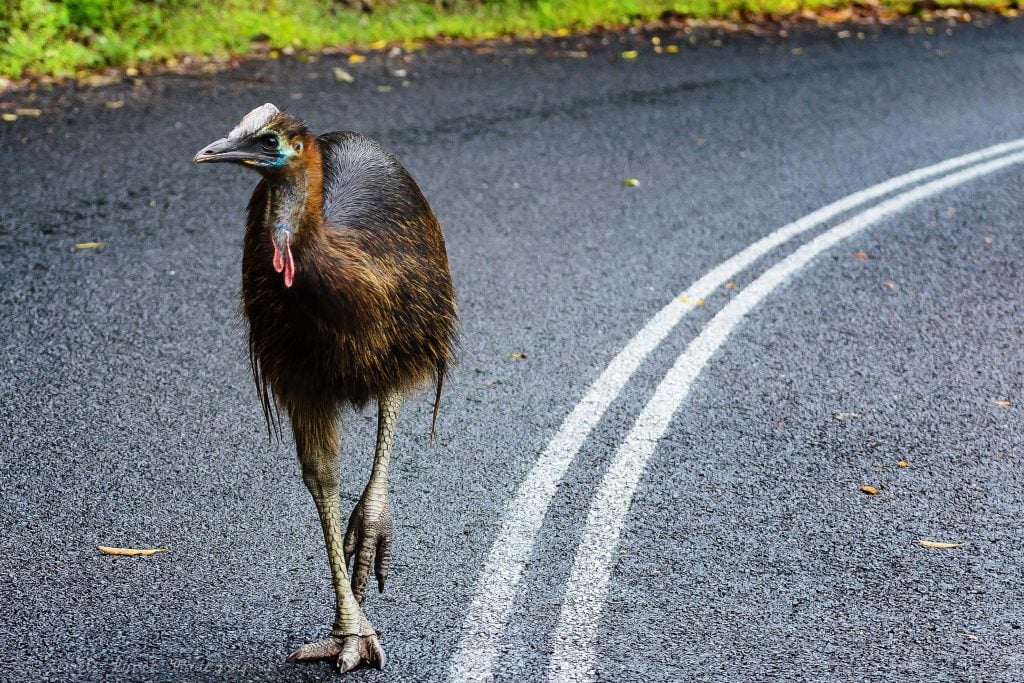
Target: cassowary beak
(222, 150)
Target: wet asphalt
(749, 553)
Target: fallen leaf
(519, 355)
(9, 117)
(890, 284)
(28, 111)
(630, 182)
(903, 463)
(343, 76)
(655, 40)
(356, 58)
(987, 240)
(378, 44)
(629, 54)
(942, 545)
(693, 302)
(562, 31)
(835, 16)
(130, 552)
(576, 54)
(115, 104)
(730, 285)
(90, 245)
(860, 255)
(673, 49)
(870, 490)
(1001, 404)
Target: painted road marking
(574, 641)
(478, 648)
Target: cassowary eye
(269, 142)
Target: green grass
(66, 37)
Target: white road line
(478, 648)
(574, 651)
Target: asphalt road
(748, 552)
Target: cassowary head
(266, 139)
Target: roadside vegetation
(63, 38)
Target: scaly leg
(370, 529)
(352, 640)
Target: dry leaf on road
(938, 544)
(130, 552)
(870, 490)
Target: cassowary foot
(368, 540)
(349, 652)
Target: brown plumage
(348, 297)
(372, 306)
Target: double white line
(574, 646)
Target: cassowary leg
(370, 529)
(352, 641)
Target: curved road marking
(478, 647)
(574, 640)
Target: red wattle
(289, 262)
(278, 261)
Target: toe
(328, 648)
(360, 651)
(374, 653)
(349, 658)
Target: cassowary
(348, 297)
